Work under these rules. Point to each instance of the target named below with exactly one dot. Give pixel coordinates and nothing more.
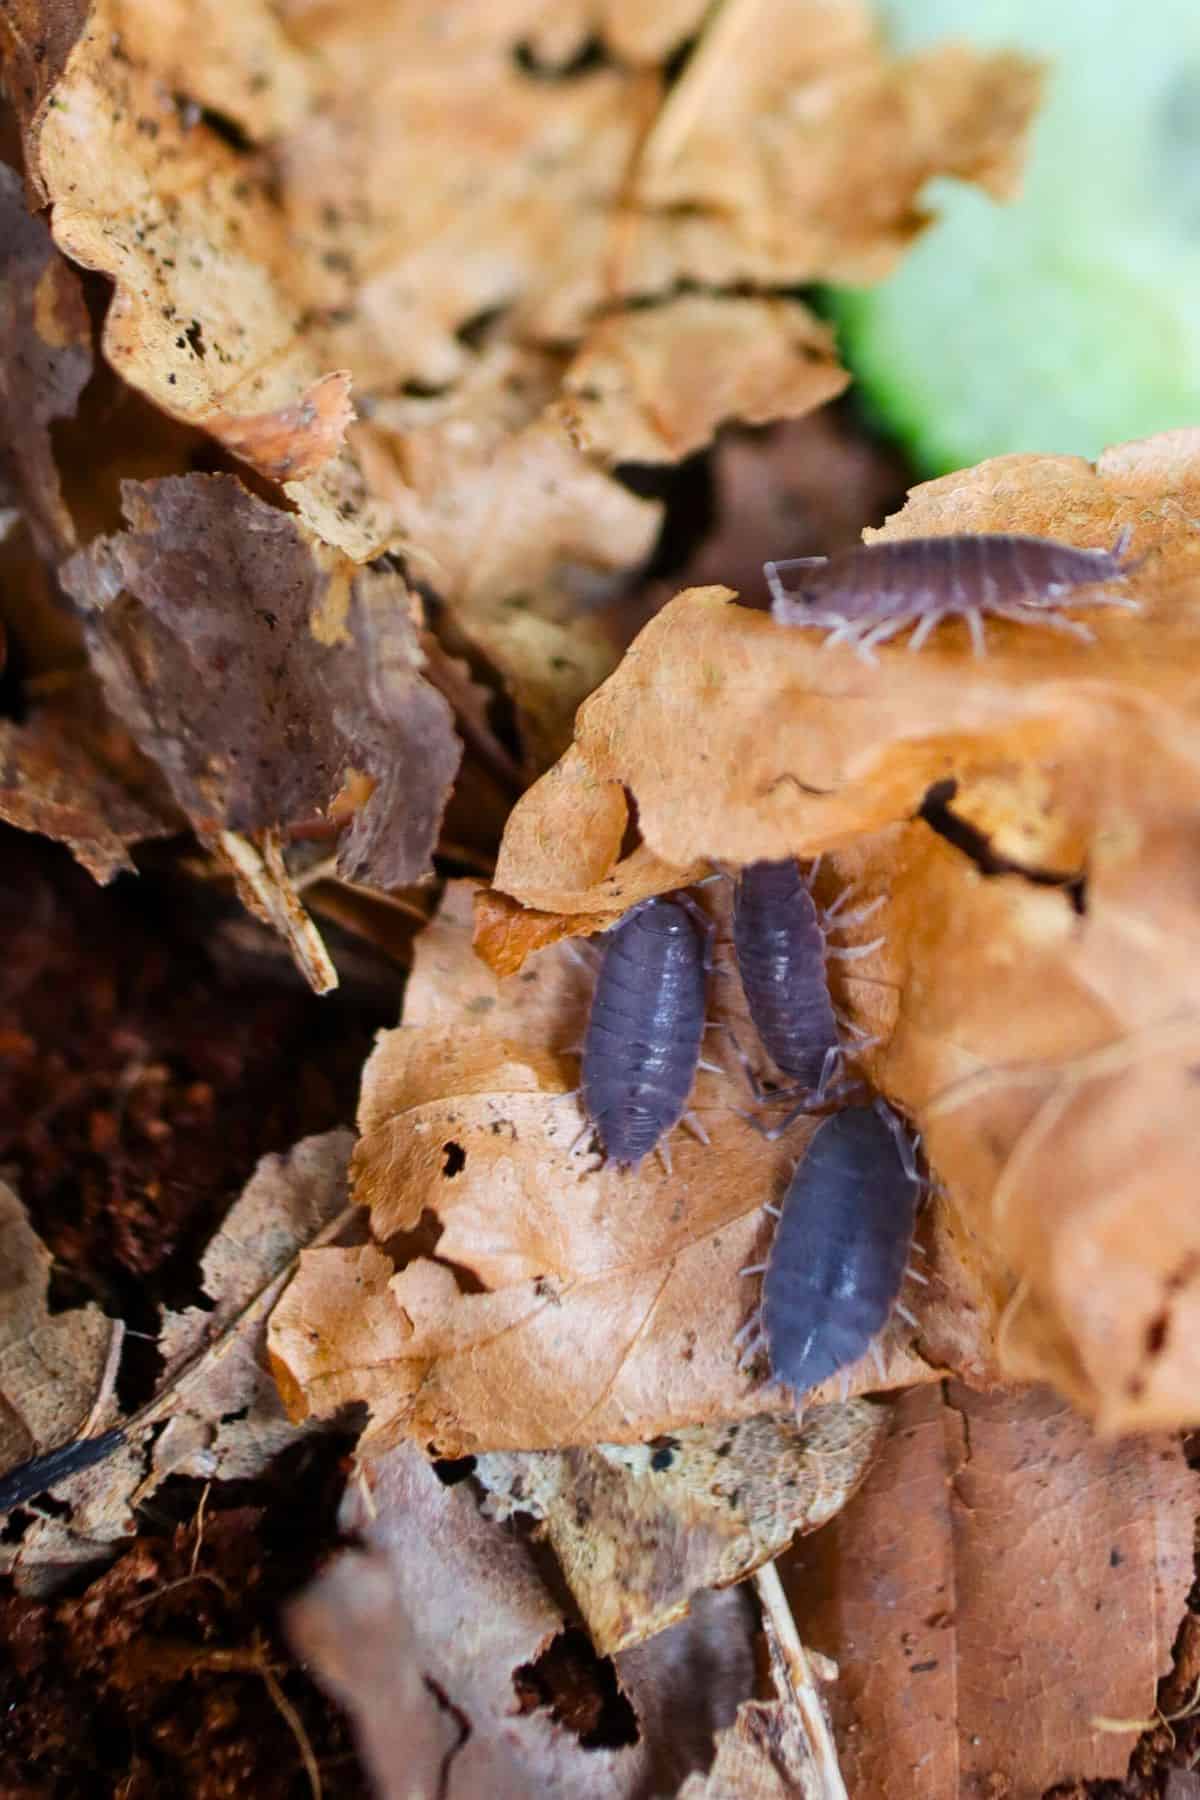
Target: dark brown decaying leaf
(435, 1637)
(222, 1414)
(639, 1530)
(559, 1303)
(51, 1366)
(45, 360)
(36, 38)
(1002, 1589)
(65, 771)
(260, 670)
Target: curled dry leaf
(227, 178)
(631, 395)
(45, 360)
(1059, 1126)
(638, 1530)
(495, 501)
(442, 1640)
(999, 1564)
(222, 1412)
(261, 670)
(204, 319)
(560, 1303)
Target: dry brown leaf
(203, 319)
(793, 149)
(65, 772)
(638, 1530)
(496, 502)
(560, 1303)
(1044, 1052)
(51, 1365)
(1000, 1566)
(549, 222)
(631, 395)
(802, 749)
(222, 1412)
(763, 1755)
(260, 670)
(435, 1638)
(45, 360)
(227, 1421)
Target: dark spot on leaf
(454, 1160)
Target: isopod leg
(697, 1130)
(889, 628)
(975, 627)
(1053, 621)
(706, 926)
(853, 952)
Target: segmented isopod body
(780, 947)
(836, 1265)
(872, 592)
(645, 1027)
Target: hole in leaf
(454, 1160)
(590, 55)
(580, 1691)
(450, 1470)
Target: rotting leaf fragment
(215, 1413)
(259, 670)
(441, 1637)
(45, 360)
(639, 1530)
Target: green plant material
(1069, 319)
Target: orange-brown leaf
(1002, 1590)
(520, 1296)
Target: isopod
(644, 1031)
(837, 1262)
(872, 592)
(779, 940)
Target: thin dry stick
(708, 66)
(266, 878)
(781, 1627)
(294, 1723)
(108, 1380)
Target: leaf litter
(451, 370)
(272, 283)
(215, 1412)
(560, 1303)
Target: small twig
(199, 1543)
(294, 1722)
(708, 67)
(263, 876)
(108, 1379)
(782, 1634)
